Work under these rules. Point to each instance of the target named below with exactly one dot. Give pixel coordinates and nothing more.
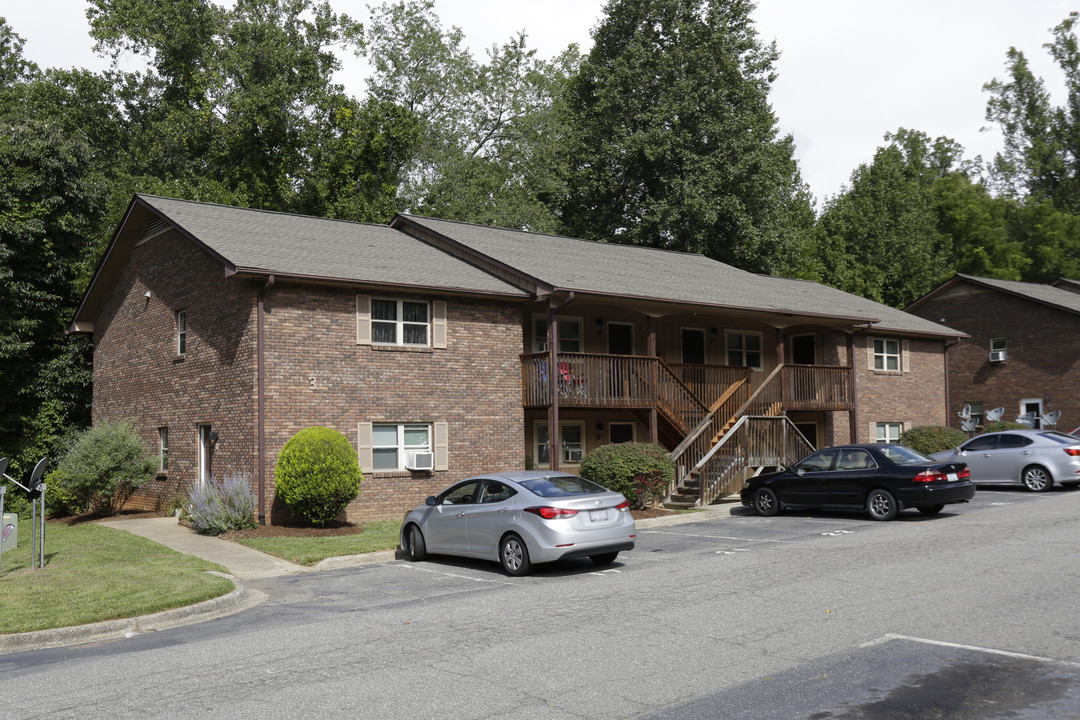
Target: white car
(520, 518)
(1035, 459)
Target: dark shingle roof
(298, 245)
(1046, 294)
(606, 268)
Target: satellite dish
(35, 477)
(995, 414)
(1052, 417)
(965, 412)
(1027, 419)
(968, 425)
(3, 465)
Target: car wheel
(513, 555)
(1036, 479)
(766, 503)
(605, 559)
(931, 509)
(881, 505)
(417, 549)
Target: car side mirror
(430, 501)
(800, 472)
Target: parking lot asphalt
(243, 563)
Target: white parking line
(1005, 653)
(452, 575)
(713, 537)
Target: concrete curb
(241, 598)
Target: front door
(206, 452)
(803, 350)
(447, 521)
(693, 346)
(620, 338)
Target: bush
(317, 474)
(215, 508)
(104, 466)
(640, 471)
(999, 425)
(932, 438)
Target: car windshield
(561, 486)
(903, 455)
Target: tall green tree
(492, 135)
(675, 144)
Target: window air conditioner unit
(419, 461)
(573, 456)
(997, 356)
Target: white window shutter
(363, 320)
(869, 353)
(438, 324)
(873, 433)
(442, 446)
(905, 356)
(363, 447)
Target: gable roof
(259, 243)
(1049, 295)
(561, 263)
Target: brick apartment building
(1022, 350)
(445, 349)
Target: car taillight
(1072, 451)
(551, 513)
(929, 476)
(623, 506)
(963, 474)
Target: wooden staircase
(734, 439)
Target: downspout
(261, 400)
(554, 439)
(948, 399)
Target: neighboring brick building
(1022, 352)
(224, 330)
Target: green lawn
(95, 573)
(308, 551)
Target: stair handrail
(704, 424)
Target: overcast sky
(849, 71)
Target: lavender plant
(217, 507)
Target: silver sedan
(1035, 459)
(520, 518)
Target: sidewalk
(242, 563)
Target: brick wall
(138, 374)
(914, 396)
(316, 375)
(1043, 352)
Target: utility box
(9, 532)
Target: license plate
(598, 515)
(952, 477)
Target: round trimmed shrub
(317, 474)
(932, 438)
(642, 472)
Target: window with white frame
(999, 344)
(400, 322)
(390, 442)
(569, 334)
(163, 451)
(181, 332)
(887, 354)
(744, 349)
(888, 432)
(571, 438)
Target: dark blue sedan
(882, 479)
